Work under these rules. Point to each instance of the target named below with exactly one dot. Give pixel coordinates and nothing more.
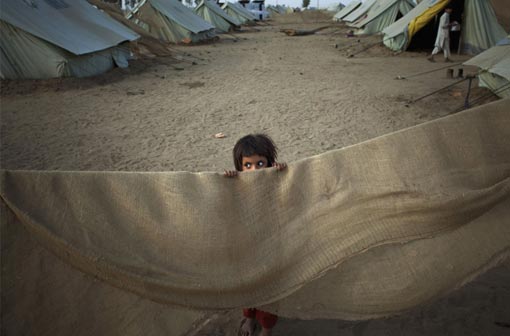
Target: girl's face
(254, 162)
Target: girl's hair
(254, 144)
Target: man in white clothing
(443, 36)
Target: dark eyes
(259, 163)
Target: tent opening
(425, 38)
(399, 15)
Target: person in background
(443, 36)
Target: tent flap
(360, 11)
(381, 15)
(213, 14)
(179, 13)
(482, 29)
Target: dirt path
(301, 90)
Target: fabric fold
(365, 231)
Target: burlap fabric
(365, 231)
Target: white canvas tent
(360, 11)
(171, 21)
(346, 10)
(238, 12)
(382, 14)
(494, 67)
(43, 39)
(480, 29)
(213, 14)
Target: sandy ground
(153, 117)
(161, 115)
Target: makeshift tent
(147, 45)
(347, 10)
(171, 21)
(236, 10)
(360, 11)
(382, 14)
(480, 29)
(494, 67)
(369, 230)
(213, 14)
(45, 39)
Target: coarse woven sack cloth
(366, 231)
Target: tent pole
(466, 101)
(460, 42)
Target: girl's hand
(280, 166)
(230, 173)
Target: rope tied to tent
(436, 91)
(500, 89)
(369, 46)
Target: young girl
(253, 152)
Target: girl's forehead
(254, 157)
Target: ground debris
(296, 32)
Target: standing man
(443, 36)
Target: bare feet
(247, 327)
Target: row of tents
(47, 39)
(399, 21)
(402, 24)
